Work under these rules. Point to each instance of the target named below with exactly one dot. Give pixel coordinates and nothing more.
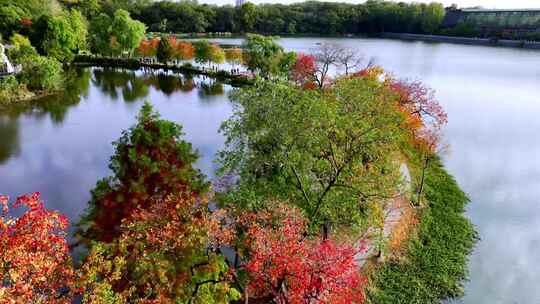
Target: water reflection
(115, 82)
(210, 89)
(61, 145)
(9, 139)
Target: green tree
(21, 49)
(165, 50)
(90, 8)
(128, 33)
(283, 64)
(41, 73)
(61, 36)
(10, 20)
(99, 34)
(203, 51)
(432, 17)
(33, 9)
(151, 160)
(329, 152)
(261, 53)
(248, 15)
(217, 54)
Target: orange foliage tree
(148, 47)
(425, 118)
(165, 254)
(234, 56)
(184, 50)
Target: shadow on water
(9, 143)
(54, 106)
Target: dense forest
(311, 17)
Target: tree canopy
(265, 56)
(327, 151)
(326, 18)
(115, 35)
(60, 36)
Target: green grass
(436, 265)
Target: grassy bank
(436, 263)
(13, 93)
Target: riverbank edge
(435, 264)
(523, 44)
(135, 64)
(532, 45)
(30, 97)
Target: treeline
(312, 17)
(300, 18)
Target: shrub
(21, 50)
(41, 73)
(11, 89)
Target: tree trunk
(421, 188)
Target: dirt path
(393, 210)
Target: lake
(492, 96)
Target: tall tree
(261, 53)
(432, 17)
(165, 49)
(128, 32)
(217, 54)
(99, 34)
(151, 160)
(248, 15)
(60, 36)
(203, 51)
(328, 152)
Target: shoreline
(531, 45)
(132, 63)
(491, 42)
(33, 96)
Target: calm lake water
(492, 96)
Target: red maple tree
(303, 71)
(424, 113)
(285, 266)
(35, 265)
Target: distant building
(240, 2)
(495, 20)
